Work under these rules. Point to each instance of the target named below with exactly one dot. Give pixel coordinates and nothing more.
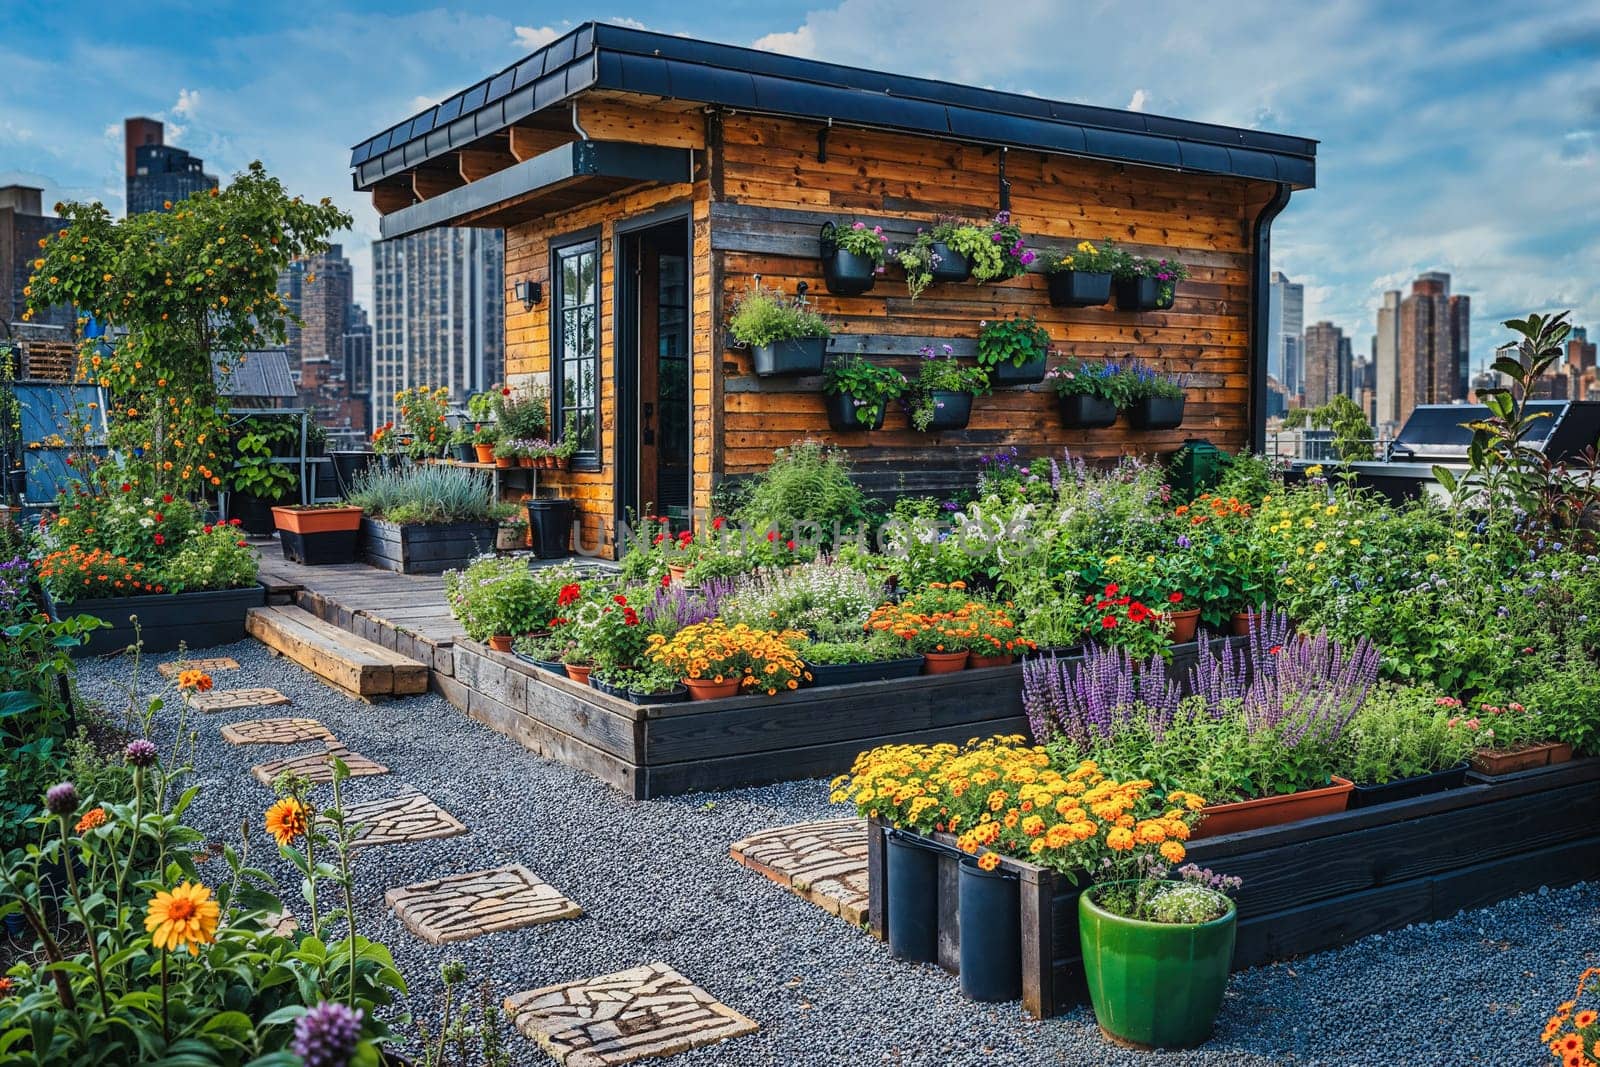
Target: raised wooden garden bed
(166, 620)
(1324, 882)
(424, 549)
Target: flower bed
(163, 621)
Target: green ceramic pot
(1154, 985)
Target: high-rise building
(318, 292)
(358, 357)
(23, 224)
(327, 288)
(158, 173)
(1325, 348)
(1386, 365)
(1433, 348)
(1286, 317)
(1580, 350)
(438, 311)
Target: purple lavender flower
(140, 753)
(326, 1036)
(1093, 699)
(61, 799)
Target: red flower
(159, 517)
(1275, 649)
(1138, 613)
(1108, 623)
(685, 536)
(718, 522)
(630, 616)
(160, 540)
(166, 498)
(126, 487)
(666, 580)
(620, 600)
(209, 527)
(1175, 598)
(557, 621)
(505, 390)
(660, 537)
(789, 545)
(772, 535)
(569, 594)
(1111, 589)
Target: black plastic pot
(551, 521)
(347, 466)
(254, 513)
(798, 355)
(672, 696)
(320, 549)
(913, 905)
(952, 266)
(551, 665)
(1156, 413)
(1142, 294)
(1366, 796)
(951, 411)
(1009, 373)
(991, 934)
(842, 414)
(465, 452)
(845, 273)
(1081, 412)
(1078, 289)
(850, 673)
(619, 691)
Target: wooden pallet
(358, 666)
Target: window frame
(560, 247)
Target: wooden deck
(410, 602)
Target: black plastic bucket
(551, 522)
(913, 899)
(991, 934)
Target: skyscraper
(1580, 350)
(22, 224)
(1386, 364)
(1286, 316)
(1325, 346)
(159, 174)
(438, 309)
(1433, 352)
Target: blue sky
(1455, 136)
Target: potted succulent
(941, 396)
(859, 392)
(1144, 284)
(785, 337)
(852, 257)
(319, 534)
(1088, 392)
(1013, 350)
(1082, 277)
(1154, 399)
(1406, 742)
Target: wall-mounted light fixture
(530, 293)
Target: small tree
(1352, 433)
(171, 290)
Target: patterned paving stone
(408, 817)
(619, 1018)
(229, 699)
(824, 862)
(318, 766)
(275, 732)
(479, 902)
(171, 668)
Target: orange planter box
(1273, 811)
(317, 520)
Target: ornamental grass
(713, 651)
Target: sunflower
(183, 917)
(287, 820)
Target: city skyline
(1490, 176)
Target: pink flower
(858, 225)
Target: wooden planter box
(166, 620)
(1324, 882)
(424, 549)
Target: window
(575, 347)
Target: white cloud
(1138, 100)
(535, 36)
(419, 103)
(802, 42)
(188, 103)
(623, 20)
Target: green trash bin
(1195, 467)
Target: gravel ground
(657, 885)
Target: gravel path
(657, 885)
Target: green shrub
(216, 558)
(763, 316)
(807, 483)
(425, 494)
(1403, 732)
(874, 648)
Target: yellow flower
(287, 820)
(185, 917)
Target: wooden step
(353, 664)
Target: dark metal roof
(553, 180)
(604, 56)
(261, 375)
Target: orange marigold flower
(92, 818)
(199, 681)
(287, 820)
(1585, 1019)
(988, 861)
(185, 917)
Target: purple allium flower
(61, 799)
(140, 753)
(326, 1036)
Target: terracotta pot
(978, 663)
(525, 461)
(1184, 625)
(943, 662)
(704, 689)
(579, 673)
(317, 520)
(485, 453)
(505, 463)
(676, 573)
(1492, 762)
(500, 642)
(1274, 811)
(1240, 624)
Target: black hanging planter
(845, 273)
(551, 522)
(1143, 294)
(1008, 373)
(991, 934)
(1081, 412)
(951, 411)
(795, 356)
(1078, 289)
(1156, 413)
(843, 415)
(951, 266)
(913, 904)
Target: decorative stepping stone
(275, 732)
(479, 902)
(824, 862)
(229, 699)
(408, 817)
(618, 1018)
(171, 668)
(281, 923)
(318, 766)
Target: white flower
(147, 522)
(149, 502)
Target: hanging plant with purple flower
(859, 239)
(995, 248)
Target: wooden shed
(643, 180)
